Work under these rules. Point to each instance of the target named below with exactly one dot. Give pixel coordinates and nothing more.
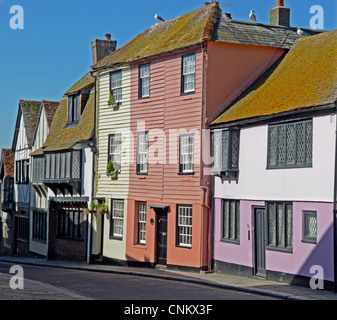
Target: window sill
(187, 93)
(142, 174)
(280, 249)
(310, 241)
(186, 173)
(116, 238)
(140, 246)
(230, 241)
(114, 104)
(289, 167)
(184, 247)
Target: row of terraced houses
(205, 143)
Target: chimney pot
(279, 3)
(107, 36)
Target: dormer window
(74, 108)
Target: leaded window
(231, 221)
(116, 85)
(117, 218)
(309, 226)
(188, 73)
(226, 145)
(290, 145)
(184, 226)
(280, 226)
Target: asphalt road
(109, 286)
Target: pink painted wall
(304, 255)
(242, 253)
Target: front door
(260, 241)
(161, 216)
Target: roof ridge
(210, 25)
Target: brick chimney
(280, 15)
(102, 48)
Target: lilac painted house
(275, 170)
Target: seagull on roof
(159, 18)
(252, 15)
(301, 32)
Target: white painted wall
(255, 182)
(21, 191)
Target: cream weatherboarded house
(112, 167)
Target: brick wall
(63, 248)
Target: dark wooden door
(161, 237)
(260, 241)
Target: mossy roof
(183, 31)
(63, 137)
(50, 108)
(208, 23)
(7, 163)
(305, 78)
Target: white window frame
(116, 82)
(142, 223)
(115, 145)
(117, 219)
(142, 152)
(144, 81)
(184, 226)
(188, 73)
(186, 153)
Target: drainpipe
(335, 209)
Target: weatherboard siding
(166, 114)
(113, 120)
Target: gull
(252, 15)
(159, 18)
(301, 32)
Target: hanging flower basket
(103, 208)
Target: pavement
(35, 290)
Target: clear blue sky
(53, 50)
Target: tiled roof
(186, 30)
(85, 82)
(50, 109)
(63, 137)
(208, 23)
(30, 112)
(252, 33)
(305, 78)
(7, 163)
